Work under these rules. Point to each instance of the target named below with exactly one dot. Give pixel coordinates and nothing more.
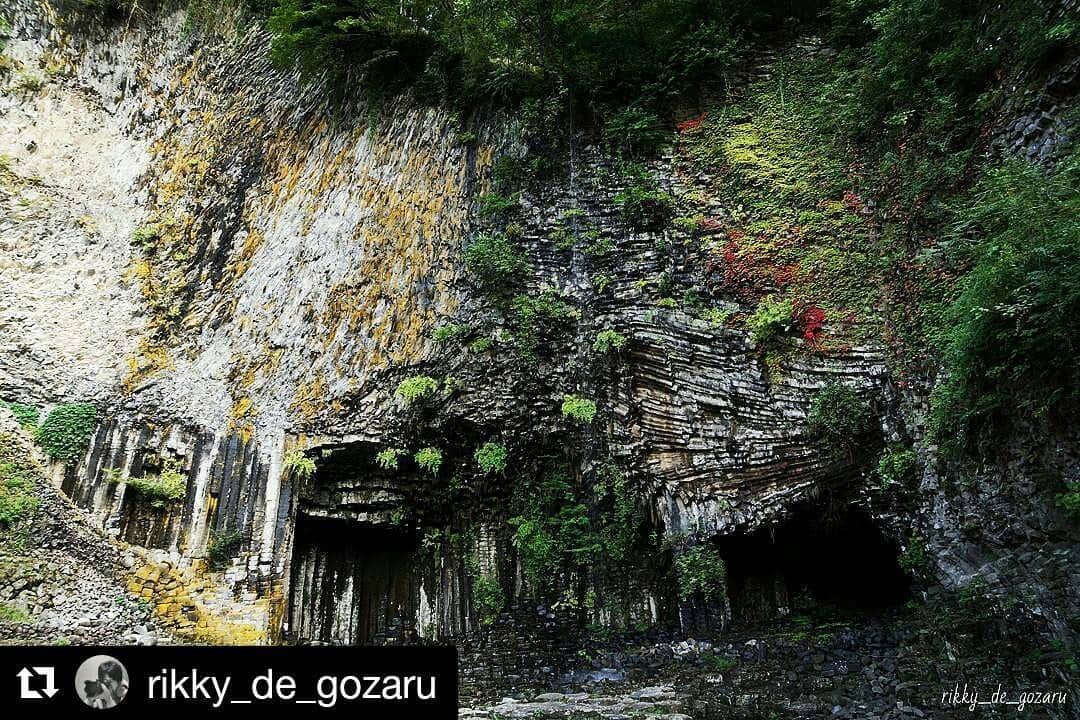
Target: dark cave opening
(349, 581)
(829, 556)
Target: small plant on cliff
(387, 458)
(298, 464)
(417, 387)
(26, 415)
(643, 207)
(65, 434)
(495, 262)
(222, 547)
(534, 314)
(491, 457)
(770, 320)
(429, 459)
(169, 485)
(897, 465)
(488, 598)
(913, 559)
(451, 331)
(1069, 501)
(578, 409)
(17, 499)
(608, 340)
(701, 572)
(840, 416)
(146, 235)
(12, 614)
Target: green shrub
(495, 262)
(770, 321)
(451, 331)
(222, 547)
(1006, 339)
(897, 465)
(533, 314)
(388, 459)
(578, 409)
(65, 434)
(417, 387)
(496, 204)
(840, 416)
(146, 235)
(481, 345)
(716, 316)
(168, 486)
(26, 415)
(644, 207)
(701, 572)
(608, 340)
(1069, 501)
(567, 526)
(635, 129)
(429, 459)
(17, 499)
(488, 598)
(298, 464)
(913, 560)
(491, 457)
(12, 614)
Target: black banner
(379, 681)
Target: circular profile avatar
(102, 682)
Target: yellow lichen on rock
(186, 603)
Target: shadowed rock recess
(316, 421)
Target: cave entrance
(350, 582)
(833, 557)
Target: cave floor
(891, 664)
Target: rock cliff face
(235, 268)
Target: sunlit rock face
(254, 268)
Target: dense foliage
(65, 434)
(566, 528)
(17, 499)
(1009, 341)
(627, 60)
(169, 485)
(387, 458)
(222, 547)
(417, 387)
(921, 77)
(492, 457)
(840, 416)
(429, 459)
(579, 409)
(495, 262)
(702, 573)
(27, 415)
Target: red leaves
(853, 202)
(691, 124)
(810, 318)
(748, 270)
(708, 224)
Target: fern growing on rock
(416, 387)
(578, 409)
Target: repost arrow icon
(28, 693)
(50, 680)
